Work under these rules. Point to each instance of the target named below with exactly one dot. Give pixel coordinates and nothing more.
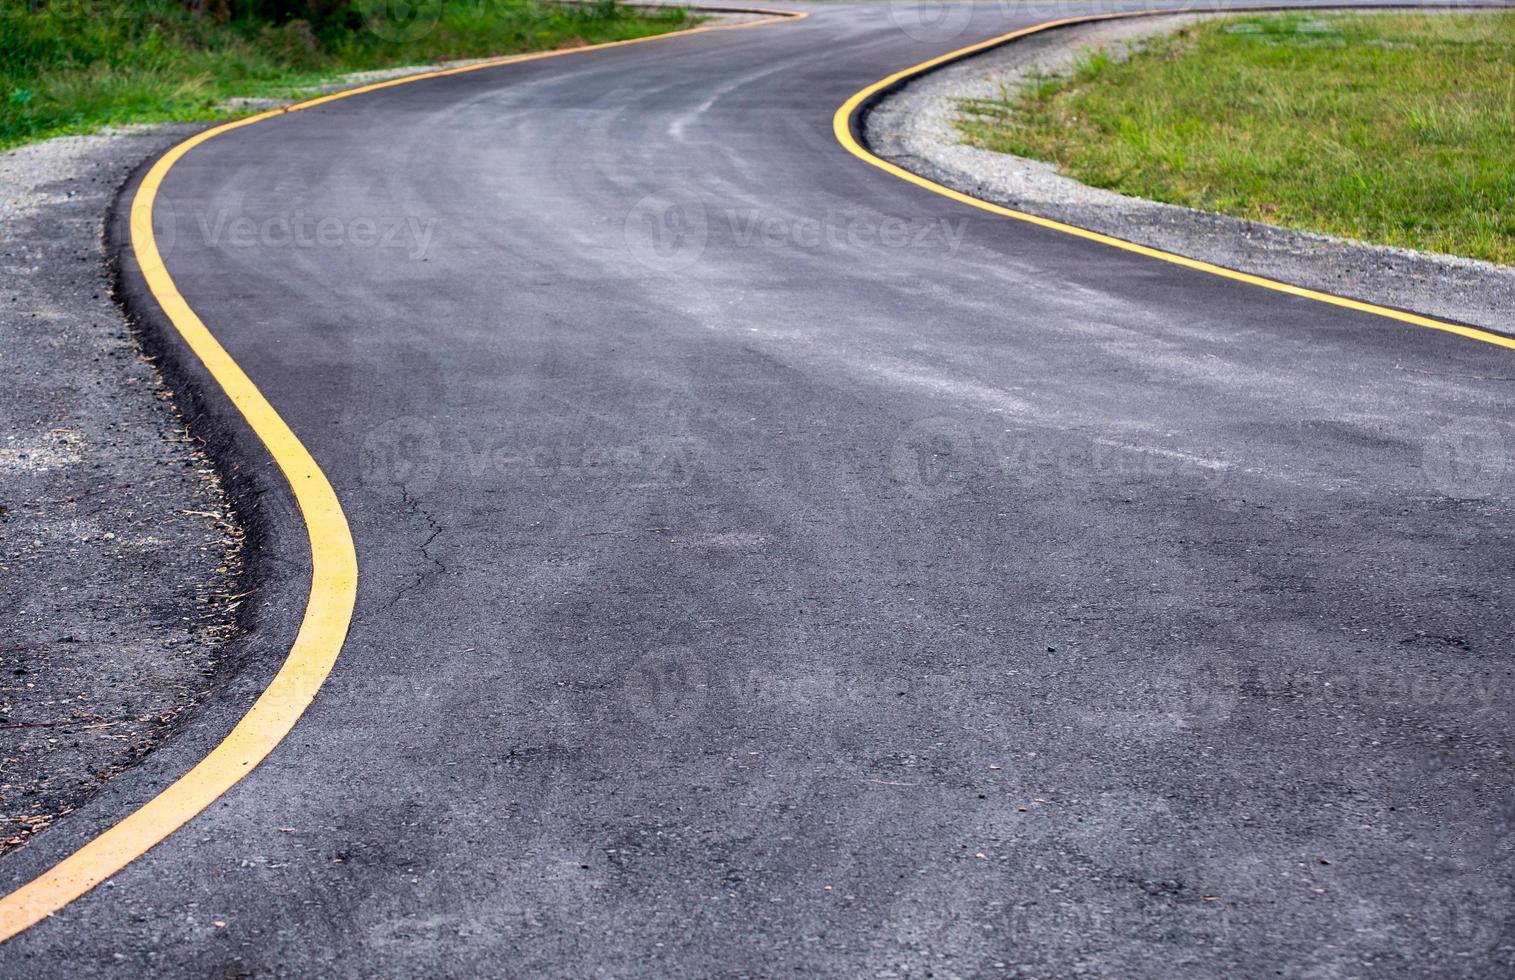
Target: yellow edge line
(334, 564)
(841, 125)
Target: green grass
(73, 66)
(1389, 128)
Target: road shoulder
(912, 128)
(120, 551)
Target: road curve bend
(770, 566)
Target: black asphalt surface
(771, 568)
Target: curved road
(771, 568)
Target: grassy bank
(72, 66)
(1389, 128)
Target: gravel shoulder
(120, 554)
(913, 128)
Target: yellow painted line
(841, 125)
(334, 564)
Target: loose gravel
(119, 554)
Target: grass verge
(1388, 128)
(73, 66)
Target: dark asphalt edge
(248, 472)
(857, 124)
(276, 570)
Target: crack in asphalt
(434, 565)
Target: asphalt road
(770, 568)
